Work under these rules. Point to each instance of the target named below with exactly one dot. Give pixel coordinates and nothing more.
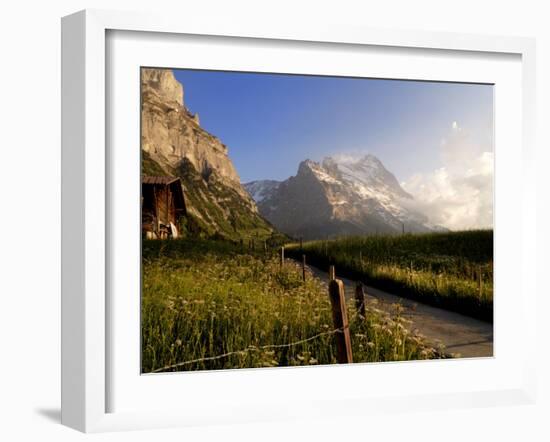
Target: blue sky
(272, 122)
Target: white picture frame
(86, 316)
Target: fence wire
(249, 349)
(263, 347)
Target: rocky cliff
(171, 132)
(174, 143)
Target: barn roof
(159, 179)
(175, 184)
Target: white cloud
(459, 195)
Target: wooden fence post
(301, 244)
(480, 282)
(361, 260)
(360, 299)
(331, 273)
(340, 319)
(304, 267)
(282, 256)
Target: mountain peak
(307, 164)
(309, 167)
(355, 160)
(370, 159)
(322, 172)
(370, 173)
(164, 83)
(339, 195)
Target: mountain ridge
(338, 196)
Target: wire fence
(249, 349)
(344, 329)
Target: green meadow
(451, 270)
(214, 305)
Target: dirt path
(460, 334)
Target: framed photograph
(260, 221)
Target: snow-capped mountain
(339, 196)
(259, 190)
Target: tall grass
(449, 270)
(202, 299)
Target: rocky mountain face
(174, 143)
(338, 197)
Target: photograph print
(302, 220)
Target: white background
(30, 217)
(306, 388)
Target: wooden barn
(162, 206)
